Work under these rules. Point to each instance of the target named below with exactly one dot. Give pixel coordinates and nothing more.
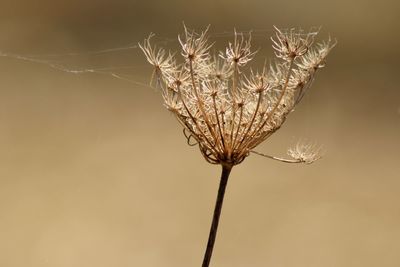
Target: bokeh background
(95, 172)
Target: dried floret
(239, 52)
(305, 152)
(292, 43)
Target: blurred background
(95, 172)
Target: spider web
(57, 61)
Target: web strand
(53, 60)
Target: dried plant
(227, 112)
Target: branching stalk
(278, 158)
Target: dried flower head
(292, 43)
(239, 52)
(226, 112)
(305, 152)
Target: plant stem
(226, 170)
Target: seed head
(291, 43)
(305, 152)
(224, 111)
(239, 52)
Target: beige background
(95, 172)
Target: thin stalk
(234, 89)
(269, 116)
(278, 158)
(212, 146)
(252, 120)
(237, 129)
(226, 170)
(200, 102)
(218, 123)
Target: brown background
(95, 172)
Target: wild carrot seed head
(226, 112)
